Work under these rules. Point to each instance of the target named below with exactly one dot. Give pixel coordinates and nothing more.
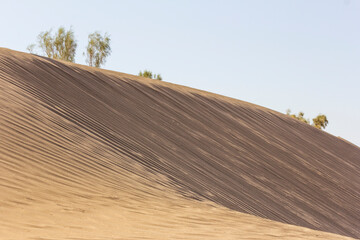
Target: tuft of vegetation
(60, 45)
(98, 49)
(299, 116)
(149, 74)
(320, 122)
(31, 48)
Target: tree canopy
(60, 45)
(98, 49)
(320, 121)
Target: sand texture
(95, 154)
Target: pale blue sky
(298, 54)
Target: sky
(302, 55)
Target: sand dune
(95, 154)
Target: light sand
(94, 154)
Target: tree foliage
(98, 49)
(149, 74)
(319, 122)
(62, 45)
(299, 116)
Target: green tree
(62, 45)
(320, 121)
(98, 49)
(149, 74)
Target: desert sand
(93, 154)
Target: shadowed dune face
(93, 152)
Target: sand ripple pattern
(96, 154)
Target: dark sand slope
(95, 154)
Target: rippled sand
(95, 154)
